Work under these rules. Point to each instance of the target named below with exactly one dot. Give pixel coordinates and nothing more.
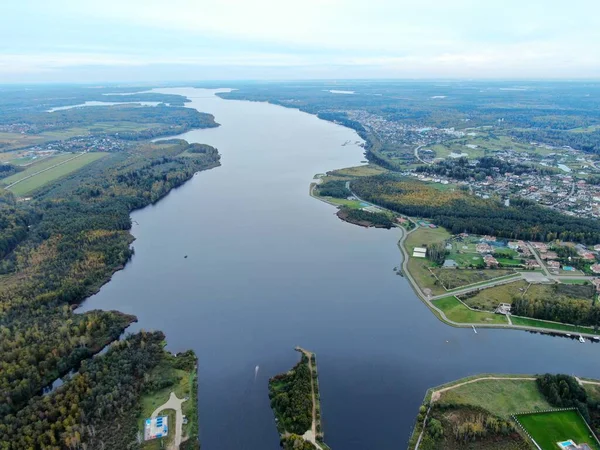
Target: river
(269, 268)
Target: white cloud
(433, 38)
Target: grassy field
(365, 170)
(419, 267)
(567, 281)
(458, 312)
(37, 166)
(71, 165)
(549, 428)
(182, 388)
(457, 278)
(535, 323)
(500, 397)
(490, 298)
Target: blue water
(270, 268)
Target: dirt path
(311, 435)
(175, 404)
(437, 394)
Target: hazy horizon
(183, 40)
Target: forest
(564, 391)
(59, 248)
(98, 407)
(459, 212)
(291, 398)
(488, 166)
(558, 309)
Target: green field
(37, 166)
(490, 298)
(453, 279)
(71, 165)
(547, 429)
(458, 312)
(535, 323)
(500, 397)
(419, 267)
(182, 388)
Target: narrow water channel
(269, 268)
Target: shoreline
(428, 300)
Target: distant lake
(269, 268)
(95, 103)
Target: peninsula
(510, 412)
(295, 402)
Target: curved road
(173, 403)
(427, 299)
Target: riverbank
(493, 402)
(444, 303)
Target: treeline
(365, 218)
(488, 166)
(458, 211)
(564, 310)
(296, 442)
(585, 141)
(96, 409)
(80, 237)
(6, 170)
(564, 391)
(14, 222)
(173, 118)
(342, 119)
(335, 188)
(291, 398)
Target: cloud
(462, 38)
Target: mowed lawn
(549, 428)
(71, 165)
(458, 312)
(501, 397)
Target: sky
(187, 40)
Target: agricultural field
(457, 312)
(536, 323)
(37, 166)
(547, 429)
(50, 170)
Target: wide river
(269, 268)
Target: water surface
(270, 268)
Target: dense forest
(458, 211)
(59, 248)
(291, 398)
(365, 218)
(97, 409)
(564, 391)
(560, 308)
(335, 188)
(487, 166)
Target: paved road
(427, 299)
(417, 155)
(175, 404)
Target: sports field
(548, 429)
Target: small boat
(581, 339)
(596, 338)
(474, 329)
(568, 335)
(185, 256)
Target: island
(491, 411)
(295, 401)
